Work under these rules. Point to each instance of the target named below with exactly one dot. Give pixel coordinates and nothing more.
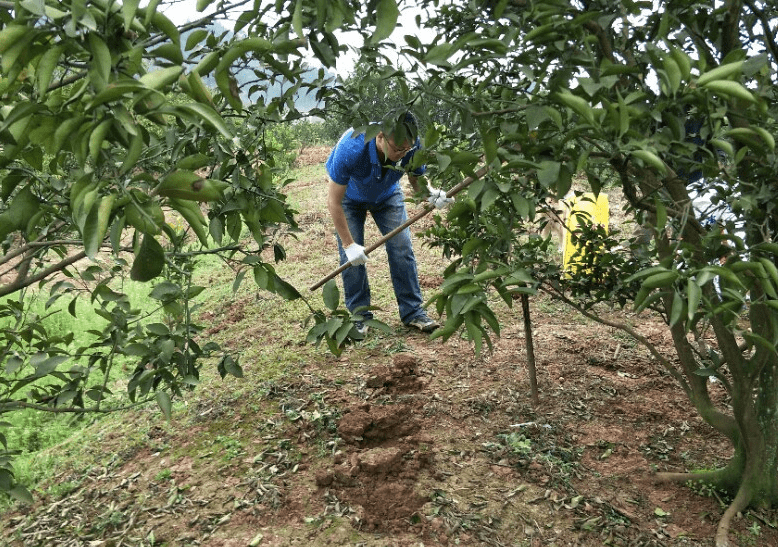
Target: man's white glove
(356, 254)
(438, 197)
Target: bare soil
(403, 441)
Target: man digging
(365, 177)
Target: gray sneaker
(423, 323)
(361, 328)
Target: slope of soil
(404, 441)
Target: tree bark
(533, 376)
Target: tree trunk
(751, 476)
(533, 375)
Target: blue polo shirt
(354, 163)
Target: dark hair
(402, 125)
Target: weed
(397, 346)
(163, 475)
(517, 442)
(62, 489)
(232, 448)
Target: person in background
(365, 178)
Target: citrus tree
(672, 102)
(127, 151)
(107, 126)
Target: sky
(183, 11)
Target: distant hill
(304, 100)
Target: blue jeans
(388, 215)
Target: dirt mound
(377, 471)
(312, 155)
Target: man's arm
(335, 194)
(417, 188)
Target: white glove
(438, 197)
(356, 254)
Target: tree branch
(21, 283)
(16, 405)
(772, 45)
(10, 255)
(625, 328)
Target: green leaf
(163, 23)
(645, 273)
(261, 276)
(170, 51)
(129, 7)
(331, 295)
(488, 199)
(46, 65)
(284, 289)
(297, 19)
(158, 329)
(458, 303)
(323, 51)
(149, 261)
(677, 308)
(720, 72)
(577, 104)
(36, 7)
(474, 331)
(712, 271)
(44, 364)
(136, 350)
(444, 161)
(96, 225)
(333, 324)
(163, 400)
(548, 173)
(202, 4)
(439, 54)
(160, 79)
(650, 159)
(195, 38)
(386, 20)
(694, 294)
(535, 116)
(100, 68)
(490, 144)
(209, 115)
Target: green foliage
(284, 141)
(114, 149)
(337, 328)
(102, 134)
(549, 91)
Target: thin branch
(43, 274)
(37, 244)
(16, 405)
(627, 329)
(500, 112)
(767, 33)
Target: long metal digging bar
(427, 208)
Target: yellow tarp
(582, 209)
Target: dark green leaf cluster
(338, 327)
